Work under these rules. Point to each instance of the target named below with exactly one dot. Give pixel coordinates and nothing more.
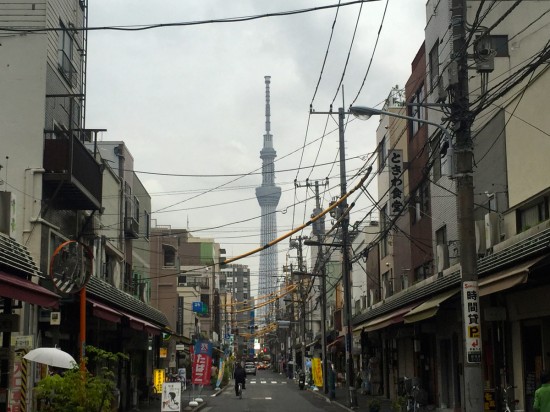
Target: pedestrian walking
(331, 377)
(542, 394)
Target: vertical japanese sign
(472, 322)
(158, 379)
(395, 166)
(317, 372)
(202, 363)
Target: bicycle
(509, 403)
(240, 390)
(415, 396)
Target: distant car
(250, 368)
(261, 366)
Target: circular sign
(71, 266)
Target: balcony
(72, 178)
(131, 228)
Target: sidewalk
(363, 401)
(186, 397)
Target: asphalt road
(269, 391)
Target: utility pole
(320, 232)
(346, 278)
(462, 119)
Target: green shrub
(80, 391)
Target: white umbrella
(51, 356)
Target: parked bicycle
(508, 401)
(416, 397)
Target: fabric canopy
(15, 287)
(103, 311)
(429, 308)
(385, 319)
(507, 278)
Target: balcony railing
(72, 178)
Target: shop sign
(472, 321)
(395, 165)
(158, 379)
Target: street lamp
(472, 372)
(365, 113)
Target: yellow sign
(158, 379)
(317, 372)
(474, 331)
(163, 352)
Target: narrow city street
(269, 391)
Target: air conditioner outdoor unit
(492, 229)
(480, 236)
(442, 257)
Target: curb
(328, 400)
(203, 404)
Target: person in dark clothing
(240, 377)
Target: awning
(338, 340)
(315, 342)
(103, 311)
(386, 319)
(150, 328)
(429, 308)
(141, 324)
(15, 287)
(135, 323)
(507, 278)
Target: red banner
(202, 363)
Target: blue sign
(203, 347)
(197, 307)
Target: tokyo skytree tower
(268, 196)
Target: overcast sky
(190, 100)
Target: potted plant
(374, 405)
(398, 404)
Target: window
(136, 209)
(147, 222)
(422, 272)
(416, 110)
(442, 249)
(434, 65)
(387, 287)
(65, 54)
(404, 280)
(169, 255)
(498, 43)
(421, 202)
(530, 216)
(441, 236)
(382, 154)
